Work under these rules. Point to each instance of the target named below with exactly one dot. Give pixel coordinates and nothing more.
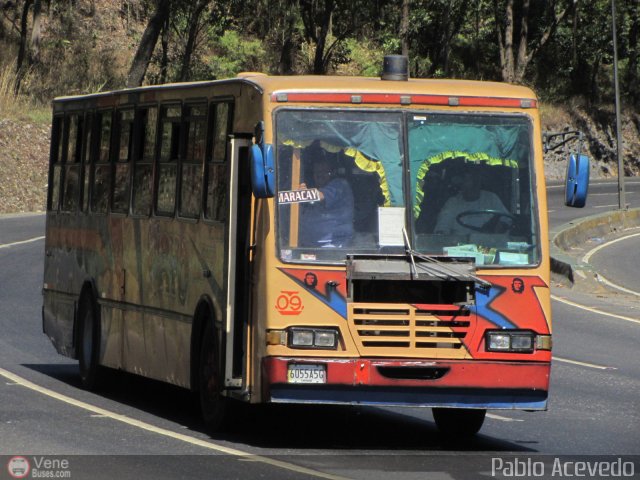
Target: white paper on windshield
(390, 225)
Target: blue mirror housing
(577, 181)
(262, 171)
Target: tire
(459, 422)
(213, 405)
(91, 372)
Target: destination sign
(299, 196)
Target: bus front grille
(420, 331)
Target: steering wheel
(499, 222)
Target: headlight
(301, 338)
(324, 339)
(321, 338)
(517, 341)
(498, 342)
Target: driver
(470, 198)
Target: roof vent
(395, 67)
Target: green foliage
(362, 58)
(88, 45)
(233, 53)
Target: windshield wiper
(436, 267)
(409, 251)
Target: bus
(305, 239)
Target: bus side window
(102, 167)
(86, 170)
(143, 169)
(71, 178)
(121, 178)
(168, 160)
(192, 162)
(217, 167)
(55, 174)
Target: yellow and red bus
(190, 240)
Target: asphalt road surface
(142, 429)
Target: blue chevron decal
(483, 308)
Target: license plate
(307, 374)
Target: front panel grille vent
(421, 331)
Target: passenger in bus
(470, 198)
(329, 222)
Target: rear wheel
(213, 404)
(459, 422)
(91, 372)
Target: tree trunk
(164, 61)
(321, 60)
(404, 27)
(22, 50)
(317, 26)
(194, 28)
(505, 39)
(147, 44)
(36, 33)
(285, 64)
(521, 62)
(514, 68)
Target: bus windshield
(458, 184)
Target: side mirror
(577, 181)
(262, 171)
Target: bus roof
(269, 85)
(317, 83)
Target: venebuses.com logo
(38, 467)
(18, 467)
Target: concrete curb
(573, 234)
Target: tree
(434, 28)
(195, 26)
(22, 50)
(36, 33)
(515, 57)
(317, 16)
(631, 78)
(404, 27)
(147, 44)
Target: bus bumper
(416, 383)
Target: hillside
(63, 48)
(24, 151)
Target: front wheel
(213, 404)
(91, 372)
(459, 422)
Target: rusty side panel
(149, 274)
(147, 292)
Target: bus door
(238, 271)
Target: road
(142, 429)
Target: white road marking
(594, 310)
(595, 250)
(604, 206)
(163, 431)
(587, 257)
(609, 283)
(503, 419)
(31, 240)
(583, 364)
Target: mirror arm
(566, 137)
